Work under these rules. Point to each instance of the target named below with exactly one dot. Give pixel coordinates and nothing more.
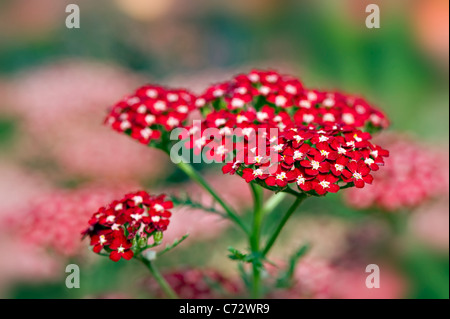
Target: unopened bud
(158, 237)
(142, 242)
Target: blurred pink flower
(431, 224)
(312, 280)
(196, 284)
(351, 284)
(17, 187)
(317, 279)
(23, 263)
(55, 221)
(413, 174)
(63, 109)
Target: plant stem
(258, 212)
(273, 202)
(159, 278)
(283, 221)
(193, 174)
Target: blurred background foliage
(401, 67)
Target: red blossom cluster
(124, 224)
(267, 97)
(321, 141)
(319, 161)
(197, 284)
(150, 112)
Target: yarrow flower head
(273, 130)
(151, 112)
(268, 97)
(315, 161)
(124, 227)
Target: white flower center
(146, 132)
(257, 172)
(357, 176)
(152, 93)
(291, 89)
(315, 165)
(111, 218)
(280, 100)
(171, 121)
(341, 150)
(305, 104)
(324, 184)
(264, 90)
(301, 180)
(172, 97)
(156, 219)
(298, 155)
(183, 109)
(324, 153)
(218, 93)
(137, 200)
(237, 103)
(125, 125)
(160, 106)
(339, 167)
(150, 119)
(278, 147)
(141, 109)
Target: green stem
(273, 202)
(280, 226)
(255, 236)
(194, 175)
(159, 278)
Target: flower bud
(158, 237)
(142, 242)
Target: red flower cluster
(267, 97)
(118, 227)
(150, 112)
(315, 160)
(197, 284)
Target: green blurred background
(401, 67)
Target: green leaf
(175, 244)
(237, 255)
(285, 279)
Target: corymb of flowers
(317, 161)
(265, 127)
(125, 227)
(151, 112)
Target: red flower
(339, 167)
(325, 183)
(303, 180)
(137, 215)
(315, 166)
(121, 249)
(360, 174)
